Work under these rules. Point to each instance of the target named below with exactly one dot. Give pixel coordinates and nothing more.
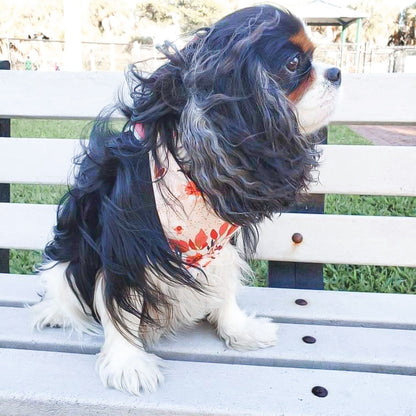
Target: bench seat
(67, 387)
(361, 351)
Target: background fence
(365, 59)
(49, 55)
(43, 54)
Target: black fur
(223, 98)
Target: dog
(216, 140)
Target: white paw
(46, 314)
(134, 372)
(251, 334)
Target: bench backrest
(368, 170)
(367, 98)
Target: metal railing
(44, 54)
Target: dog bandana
(189, 223)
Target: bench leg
(4, 187)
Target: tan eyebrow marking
(301, 40)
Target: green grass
(344, 135)
(65, 129)
(370, 205)
(37, 194)
(336, 277)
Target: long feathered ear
(245, 150)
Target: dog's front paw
(133, 372)
(251, 334)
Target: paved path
(388, 135)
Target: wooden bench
(340, 353)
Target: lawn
(337, 277)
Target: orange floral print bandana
(189, 223)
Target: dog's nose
(333, 75)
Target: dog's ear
(245, 150)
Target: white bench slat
(366, 170)
(62, 95)
(367, 349)
(196, 389)
(26, 226)
(376, 99)
(18, 290)
(340, 239)
(332, 307)
(344, 239)
(38, 161)
(323, 308)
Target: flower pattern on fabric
(178, 229)
(203, 247)
(158, 173)
(191, 189)
(192, 228)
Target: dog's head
(242, 99)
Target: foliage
(192, 14)
(405, 34)
(381, 20)
(30, 18)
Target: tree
(380, 23)
(192, 14)
(405, 33)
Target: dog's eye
(293, 64)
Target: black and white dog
(216, 139)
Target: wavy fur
(219, 107)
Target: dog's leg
(59, 306)
(122, 364)
(239, 330)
